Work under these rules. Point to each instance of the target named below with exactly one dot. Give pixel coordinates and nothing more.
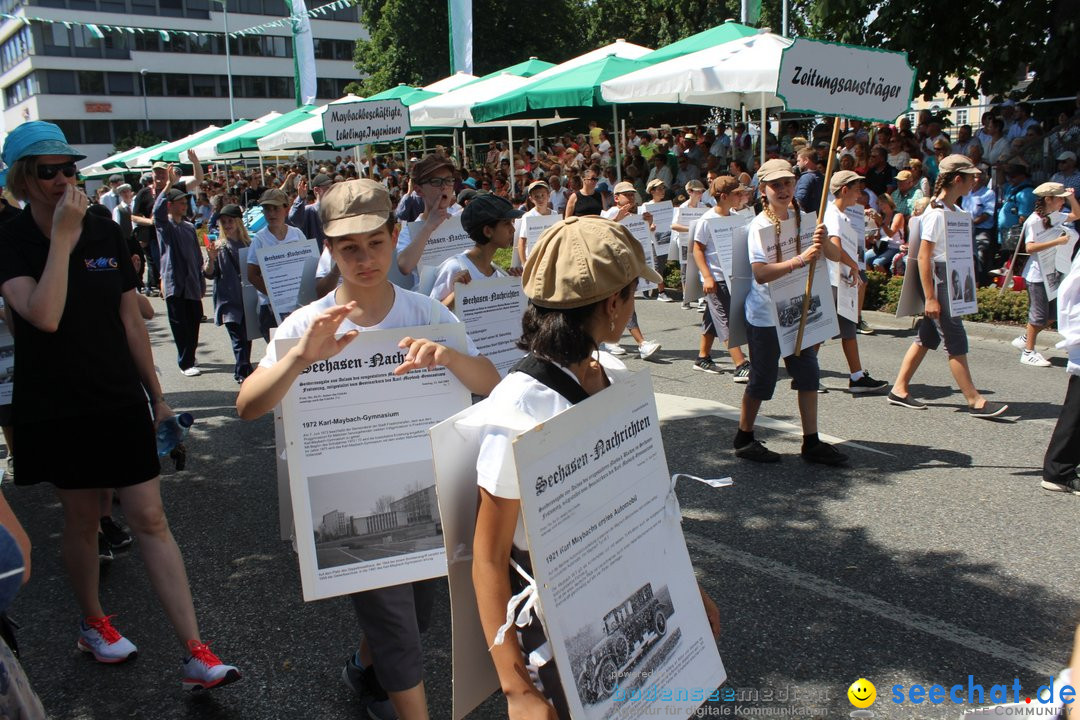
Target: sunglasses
(48, 172)
(438, 182)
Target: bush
(672, 276)
(883, 294)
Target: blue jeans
(241, 348)
(881, 261)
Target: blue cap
(470, 181)
(36, 137)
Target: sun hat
(354, 206)
(1051, 189)
(774, 170)
(842, 178)
(36, 137)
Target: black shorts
(110, 449)
(764, 348)
(946, 327)
(392, 619)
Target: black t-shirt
(588, 204)
(85, 366)
(143, 206)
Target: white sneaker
(98, 637)
(1020, 343)
(1033, 359)
(192, 371)
(663, 297)
(647, 349)
(612, 348)
(203, 670)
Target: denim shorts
(947, 327)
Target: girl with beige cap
(1049, 212)
(956, 178)
(580, 281)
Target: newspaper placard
(620, 603)
(685, 216)
(663, 213)
(1064, 258)
(845, 80)
(533, 227)
(492, 310)
(283, 267)
(724, 231)
(847, 291)
(959, 263)
(912, 301)
(360, 472)
(365, 122)
(787, 293)
(742, 276)
(448, 239)
(640, 230)
(7, 362)
(1048, 260)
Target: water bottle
(172, 431)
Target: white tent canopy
(454, 108)
(300, 135)
(740, 72)
(143, 160)
(207, 150)
(452, 82)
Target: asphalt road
(933, 557)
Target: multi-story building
(102, 89)
(335, 524)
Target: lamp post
(228, 58)
(145, 105)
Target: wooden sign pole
(820, 221)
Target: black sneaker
(742, 373)
(824, 454)
(866, 384)
(757, 452)
(863, 328)
(365, 685)
(989, 410)
(1071, 486)
(104, 552)
(115, 534)
(707, 365)
(906, 401)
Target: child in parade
(580, 282)
(956, 178)
(658, 193)
(1063, 453)
(626, 203)
(224, 269)
(358, 221)
(844, 186)
(489, 220)
(1049, 212)
(539, 195)
(695, 194)
(778, 224)
(714, 323)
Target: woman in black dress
(587, 200)
(84, 372)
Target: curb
(984, 331)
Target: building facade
(335, 524)
(102, 89)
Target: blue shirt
(306, 218)
(1016, 204)
(181, 258)
(978, 203)
(808, 190)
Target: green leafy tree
(980, 46)
(139, 138)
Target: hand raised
(68, 217)
(319, 341)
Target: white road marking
(677, 407)
(868, 603)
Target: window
(19, 46)
(962, 117)
(91, 82)
(72, 130)
(178, 85)
(57, 40)
(198, 8)
(97, 132)
(144, 7)
(251, 46)
(117, 45)
(121, 83)
(175, 44)
(202, 45)
(255, 86)
(116, 6)
(279, 46)
(155, 84)
(20, 90)
(148, 42)
(85, 43)
(160, 128)
(171, 8)
(60, 82)
(280, 87)
(204, 85)
(126, 128)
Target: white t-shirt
(933, 230)
(703, 237)
(762, 246)
(519, 393)
(444, 278)
(404, 238)
(409, 310)
(1032, 227)
(837, 224)
(266, 239)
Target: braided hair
(944, 180)
(767, 209)
(1040, 210)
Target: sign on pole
(365, 122)
(845, 80)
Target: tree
(985, 46)
(410, 39)
(384, 503)
(139, 138)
